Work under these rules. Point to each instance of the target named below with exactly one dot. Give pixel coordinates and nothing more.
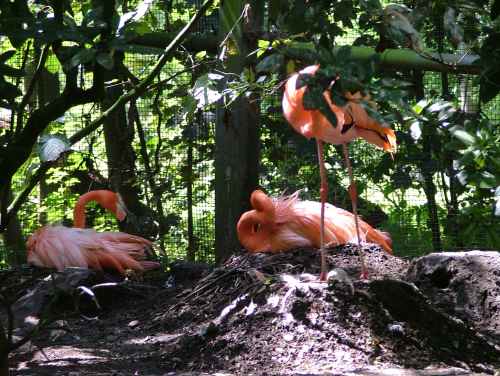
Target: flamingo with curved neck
(109, 200)
(284, 223)
(60, 247)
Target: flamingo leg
(323, 192)
(354, 201)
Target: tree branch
(143, 85)
(31, 87)
(67, 100)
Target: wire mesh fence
(182, 153)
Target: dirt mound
(268, 314)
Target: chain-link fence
(181, 151)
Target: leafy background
(450, 134)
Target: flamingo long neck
(100, 196)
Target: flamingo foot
(353, 193)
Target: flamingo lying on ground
(60, 247)
(280, 224)
(352, 122)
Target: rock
(445, 333)
(463, 284)
(26, 310)
(188, 271)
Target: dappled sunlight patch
(152, 339)
(65, 356)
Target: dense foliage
(64, 63)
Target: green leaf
(105, 59)
(463, 135)
(82, 57)
(303, 80)
(487, 180)
(419, 107)
(344, 53)
(200, 55)
(271, 63)
(313, 99)
(52, 64)
(205, 90)
(188, 106)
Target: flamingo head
(111, 201)
(121, 209)
(31, 244)
(256, 227)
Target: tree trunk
(4, 363)
(119, 135)
(13, 238)
(191, 250)
(453, 211)
(237, 134)
(4, 352)
(47, 89)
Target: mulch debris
(258, 314)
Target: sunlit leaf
(462, 135)
(462, 177)
(415, 130)
(52, 147)
(418, 108)
(487, 181)
(200, 55)
(135, 15)
(52, 64)
(205, 90)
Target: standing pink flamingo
(60, 247)
(352, 122)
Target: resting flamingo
(60, 247)
(352, 122)
(284, 223)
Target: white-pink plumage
(60, 247)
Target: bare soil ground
(257, 315)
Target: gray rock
(463, 284)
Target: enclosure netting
(184, 149)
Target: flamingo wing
(59, 247)
(297, 224)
